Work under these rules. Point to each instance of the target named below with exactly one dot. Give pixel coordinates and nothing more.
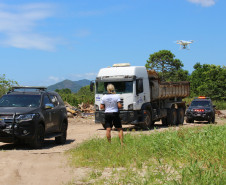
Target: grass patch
(186, 156)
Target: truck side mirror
(91, 86)
(187, 105)
(139, 88)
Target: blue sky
(44, 42)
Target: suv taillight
(199, 110)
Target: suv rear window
(20, 101)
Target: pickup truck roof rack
(29, 88)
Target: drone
(184, 44)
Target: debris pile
(220, 114)
(83, 110)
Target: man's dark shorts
(112, 119)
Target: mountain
(74, 86)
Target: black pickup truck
(30, 114)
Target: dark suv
(30, 114)
(201, 109)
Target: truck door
(140, 98)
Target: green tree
(169, 68)
(5, 84)
(209, 80)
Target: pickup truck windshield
(120, 87)
(20, 101)
(200, 103)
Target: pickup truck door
(48, 115)
(140, 98)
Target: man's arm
(102, 106)
(119, 105)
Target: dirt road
(21, 166)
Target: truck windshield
(120, 87)
(20, 101)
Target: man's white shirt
(111, 102)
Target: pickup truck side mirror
(49, 106)
(214, 106)
(91, 86)
(187, 105)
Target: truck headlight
(130, 107)
(25, 117)
(96, 107)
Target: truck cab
(129, 84)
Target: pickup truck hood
(17, 110)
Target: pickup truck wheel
(148, 123)
(38, 140)
(62, 139)
(180, 116)
(172, 117)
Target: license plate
(198, 114)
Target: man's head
(111, 88)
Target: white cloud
(54, 79)
(205, 3)
(89, 76)
(18, 23)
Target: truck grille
(122, 102)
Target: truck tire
(62, 139)
(164, 121)
(180, 116)
(148, 123)
(103, 124)
(172, 117)
(38, 140)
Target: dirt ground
(49, 166)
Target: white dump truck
(144, 97)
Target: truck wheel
(148, 123)
(164, 121)
(104, 126)
(180, 116)
(38, 140)
(172, 117)
(62, 139)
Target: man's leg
(120, 135)
(108, 134)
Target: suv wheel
(62, 139)
(38, 140)
(189, 120)
(212, 120)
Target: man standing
(111, 103)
